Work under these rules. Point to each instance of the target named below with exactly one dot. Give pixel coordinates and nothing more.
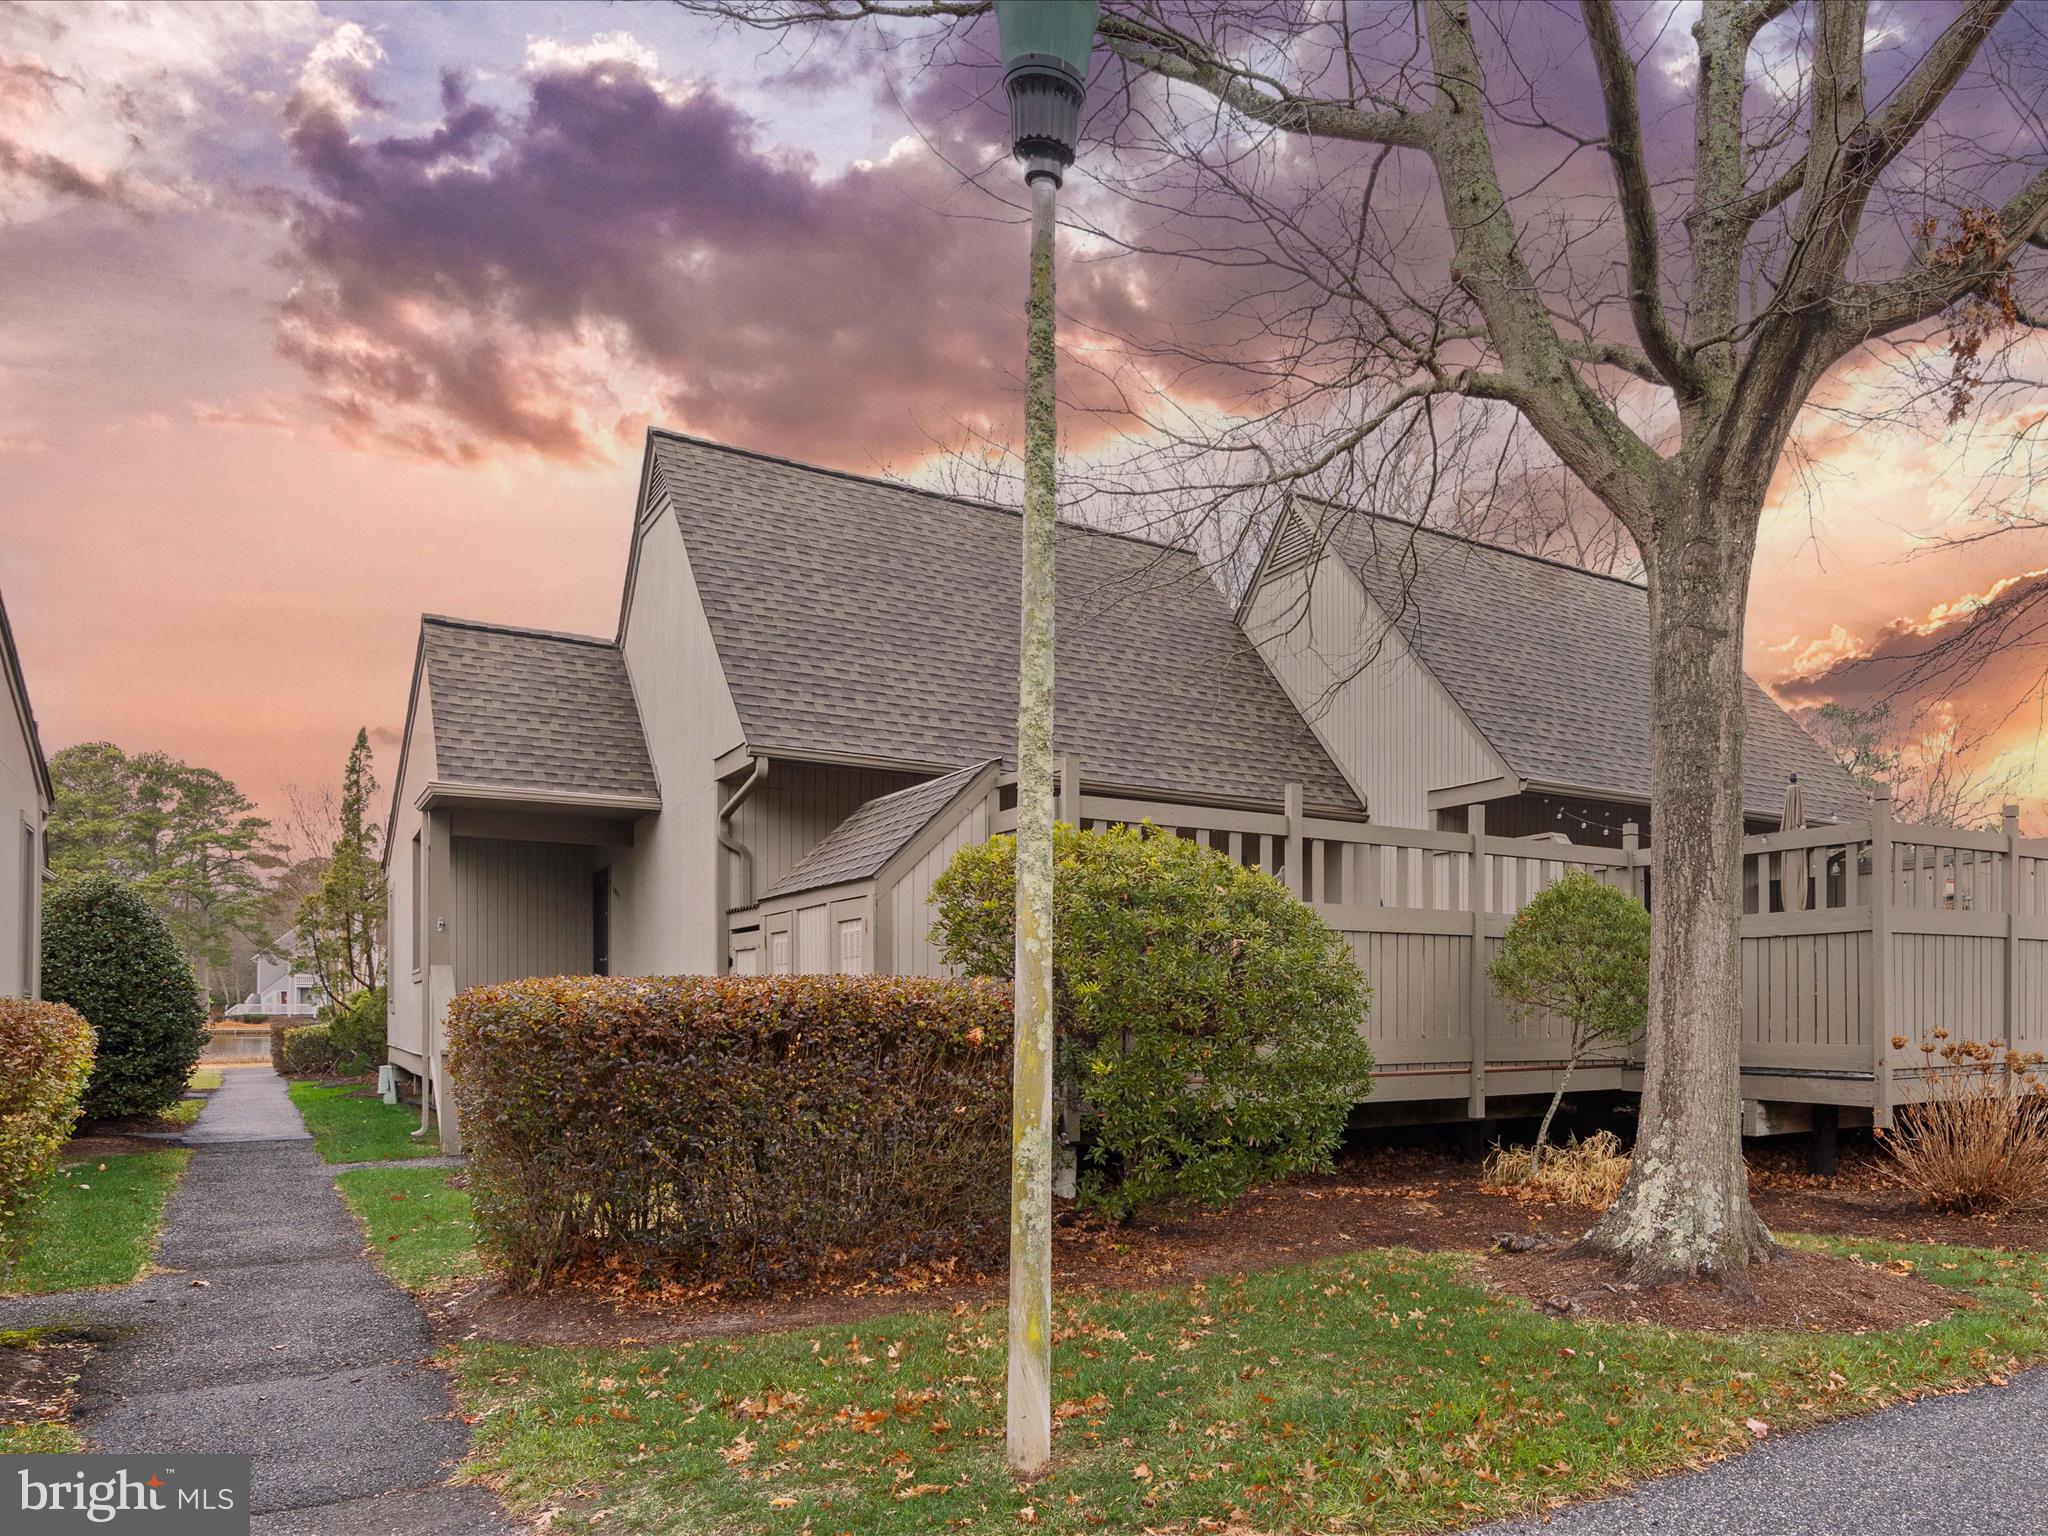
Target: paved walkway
(1944, 1466)
(271, 1334)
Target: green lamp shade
(1059, 32)
(1046, 44)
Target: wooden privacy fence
(1900, 929)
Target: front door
(601, 923)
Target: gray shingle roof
(1553, 665)
(863, 618)
(860, 845)
(530, 709)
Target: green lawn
(204, 1079)
(98, 1223)
(350, 1124)
(39, 1440)
(418, 1223)
(1378, 1392)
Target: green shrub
(1211, 1023)
(277, 1034)
(357, 1025)
(740, 1130)
(1578, 953)
(109, 955)
(309, 1051)
(45, 1057)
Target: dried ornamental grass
(1589, 1172)
(1978, 1143)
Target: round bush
(356, 1028)
(309, 1051)
(1211, 1024)
(45, 1054)
(109, 955)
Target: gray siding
(1378, 711)
(21, 859)
(910, 919)
(406, 999)
(521, 909)
(665, 914)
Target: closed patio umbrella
(1792, 862)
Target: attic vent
(1293, 545)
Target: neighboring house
(1446, 675)
(809, 705)
(27, 798)
(281, 992)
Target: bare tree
(1391, 230)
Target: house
(1460, 683)
(27, 797)
(281, 992)
(808, 706)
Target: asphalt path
(266, 1332)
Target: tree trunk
(1685, 1209)
(1550, 1114)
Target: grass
(1380, 1392)
(350, 1124)
(98, 1223)
(39, 1439)
(204, 1079)
(184, 1112)
(1589, 1172)
(417, 1221)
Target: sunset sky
(274, 379)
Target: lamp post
(1045, 61)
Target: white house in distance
(809, 705)
(26, 800)
(281, 992)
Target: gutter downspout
(739, 851)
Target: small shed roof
(1552, 664)
(863, 618)
(532, 709)
(873, 835)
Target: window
(419, 910)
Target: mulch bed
(36, 1379)
(1385, 1198)
(1801, 1292)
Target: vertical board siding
(914, 954)
(1380, 714)
(521, 909)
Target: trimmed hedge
(110, 955)
(309, 1051)
(277, 1061)
(742, 1130)
(46, 1052)
(1210, 1024)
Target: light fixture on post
(1045, 45)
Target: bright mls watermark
(161, 1495)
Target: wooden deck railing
(1902, 929)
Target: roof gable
(532, 710)
(1552, 664)
(858, 618)
(25, 715)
